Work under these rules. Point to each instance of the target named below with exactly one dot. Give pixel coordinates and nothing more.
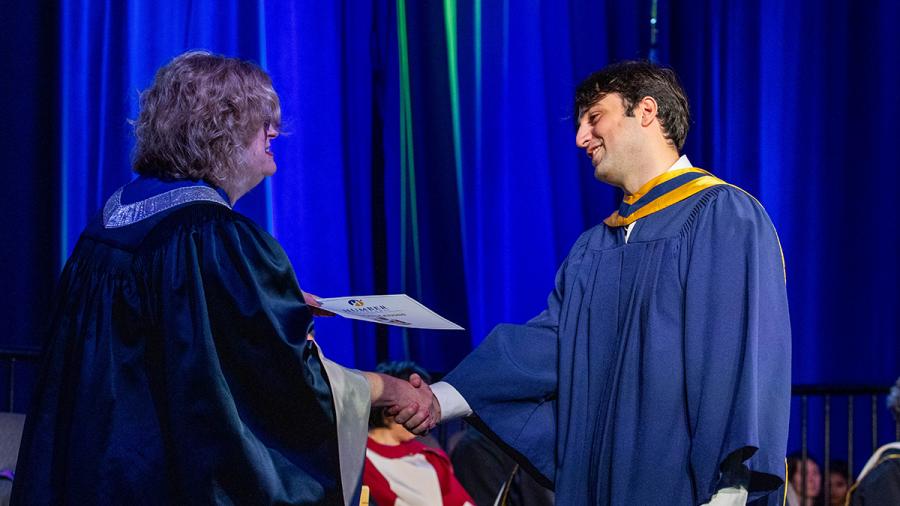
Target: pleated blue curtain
(429, 148)
(28, 199)
(318, 203)
(796, 103)
(325, 59)
(531, 170)
(109, 51)
(513, 189)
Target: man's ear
(646, 110)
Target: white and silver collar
(115, 214)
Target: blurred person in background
(837, 482)
(804, 481)
(491, 475)
(401, 470)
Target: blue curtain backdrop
(429, 149)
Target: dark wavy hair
(199, 116)
(402, 370)
(634, 80)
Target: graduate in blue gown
(179, 366)
(660, 371)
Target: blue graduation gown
(177, 371)
(653, 363)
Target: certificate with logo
(399, 309)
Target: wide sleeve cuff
(351, 405)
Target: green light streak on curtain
(403, 49)
(402, 52)
(407, 164)
(453, 75)
(478, 85)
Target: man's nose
(583, 135)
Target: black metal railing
(9, 358)
(832, 398)
(829, 395)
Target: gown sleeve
(510, 382)
(737, 346)
(244, 399)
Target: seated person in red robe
(402, 470)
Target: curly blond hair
(200, 115)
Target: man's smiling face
(609, 138)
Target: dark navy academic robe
(177, 371)
(654, 362)
(879, 484)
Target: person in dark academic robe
(179, 365)
(660, 371)
(879, 484)
(879, 481)
(491, 476)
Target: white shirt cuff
(453, 405)
(731, 496)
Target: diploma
(397, 309)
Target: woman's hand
(313, 304)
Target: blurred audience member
(836, 482)
(803, 492)
(400, 470)
(483, 469)
(879, 481)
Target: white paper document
(399, 309)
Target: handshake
(412, 404)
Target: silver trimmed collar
(117, 215)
